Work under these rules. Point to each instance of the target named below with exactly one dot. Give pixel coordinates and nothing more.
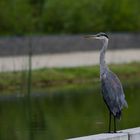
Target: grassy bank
(12, 82)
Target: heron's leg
(114, 124)
(109, 122)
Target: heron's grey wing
(113, 92)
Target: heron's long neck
(103, 65)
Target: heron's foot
(111, 132)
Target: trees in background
(19, 17)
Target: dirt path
(68, 59)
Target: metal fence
(11, 46)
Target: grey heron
(112, 90)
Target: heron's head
(99, 36)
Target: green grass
(62, 77)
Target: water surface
(63, 113)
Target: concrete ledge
(133, 134)
(128, 134)
(116, 136)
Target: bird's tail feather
(125, 104)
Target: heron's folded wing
(113, 92)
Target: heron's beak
(91, 36)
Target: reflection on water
(63, 114)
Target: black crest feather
(102, 34)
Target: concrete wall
(128, 134)
(64, 44)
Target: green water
(63, 113)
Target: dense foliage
(20, 17)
